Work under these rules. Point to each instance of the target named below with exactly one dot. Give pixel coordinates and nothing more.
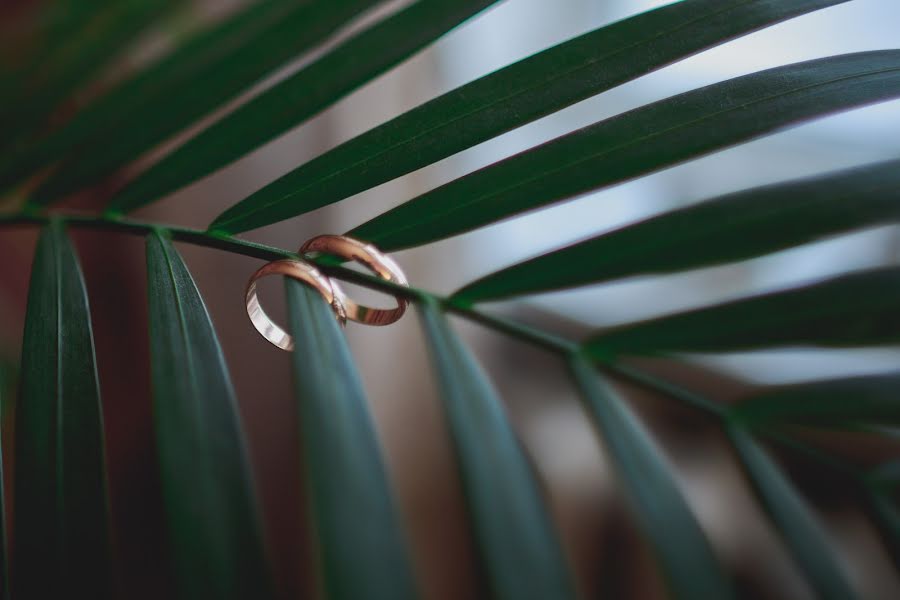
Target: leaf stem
(223, 241)
(229, 243)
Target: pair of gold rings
(343, 306)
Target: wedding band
(301, 271)
(370, 257)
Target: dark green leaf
(98, 33)
(687, 560)
(216, 543)
(4, 554)
(31, 38)
(866, 486)
(299, 97)
(733, 227)
(516, 539)
(5, 387)
(868, 399)
(207, 81)
(887, 515)
(363, 553)
(805, 538)
(882, 484)
(153, 84)
(509, 98)
(641, 141)
(887, 475)
(61, 516)
(852, 310)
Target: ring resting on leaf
(343, 306)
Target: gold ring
(301, 271)
(373, 259)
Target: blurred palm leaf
(4, 539)
(299, 97)
(93, 34)
(6, 392)
(851, 310)
(883, 483)
(844, 401)
(162, 79)
(684, 552)
(802, 532)
(510, 521)
(218, 546)
(230, 64)
(362, 544)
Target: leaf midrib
(55, 229)
(199, 431)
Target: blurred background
(608, 557)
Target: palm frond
(511, 97)
(640, 142)
(299, 97)
(801, 530)
(216, 541)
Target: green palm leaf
(100, 31)
(883, 482)
(801, 531)
(516, 539)
(33, 38)
(61, 516)
(852, 310)
(363, 553)
(665, 518)
(641, 141)
(845, 401)
(5, 402)
(737, 226)
(886, 476)
(511, 97)
(231, 67)
(160, 80)
(887, 512)
(4, 541)
(216, 542)
(299, 97)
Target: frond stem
(236, 245)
